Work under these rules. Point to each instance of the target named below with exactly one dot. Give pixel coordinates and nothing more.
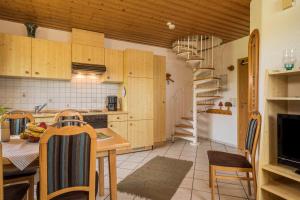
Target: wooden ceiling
(141, 21)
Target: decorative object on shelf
(168, 78)
(289, 59)
(221, 105)
(288, 4)
(228, 105)
(31, 29)
(230, 68)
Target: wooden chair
(18, 121)
(68, 162)
(68, 115)
(14, 191)
(222, 161)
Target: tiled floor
(195, 185)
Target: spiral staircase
(198, 52)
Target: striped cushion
(68, 161)
(17, 126)
(251, 134)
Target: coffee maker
(112, 103)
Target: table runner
(20, 152)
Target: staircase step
(183, 126)
(200, 70)
(204, 90)
(200, 81)
(187, 118)
(205, 104)
(206, 98)
(182, 134)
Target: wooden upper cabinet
(159, 82)
(87, 54)
(88, 38)
(114, 62)
(138, 63)
(140, 98)
(51, 59)
(15, 55)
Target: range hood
(81, 68)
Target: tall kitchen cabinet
(159, 77)
(138, 96)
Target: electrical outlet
(288, 4)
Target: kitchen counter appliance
(96, 121)
(112, 103)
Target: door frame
(239, 64)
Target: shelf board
(283, 98)
(293, 72)
(284, 189)
(283, 170)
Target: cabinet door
(114, 62)
(87, 54)
(159, 82)
(140, 98)
(140, 133)
(119, 127)
(15, 55)
(51, 59)
(89, 38)
(138, 63)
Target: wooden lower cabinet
(140, 133)
(119, 127)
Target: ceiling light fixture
(171, 25)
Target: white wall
(223, 128)
(279, 29)
(180, 73)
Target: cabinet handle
(111, 125)
(89, 59)
(130, 117)
(130, 124)
(108, 77)
(26, 72)
(130, 73)
(118, 117)
(37, 73)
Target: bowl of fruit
(33, 131)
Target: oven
(96, 121)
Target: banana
(34, 128)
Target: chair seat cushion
(15, 192)
(13, 172)
(219, 158)
(78, 195)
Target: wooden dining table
(105, 147)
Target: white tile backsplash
(79, 93)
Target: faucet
(39, 108)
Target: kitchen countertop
(46, 115)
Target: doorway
(242, 90)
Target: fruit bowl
(33, 139)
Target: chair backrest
(18, 121)
(1, 174)
(67, 161)
(253, 134)
(68, 115)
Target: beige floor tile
(187, 183)
(199, 195)
(128, 165)
(106, 194)
(201, 185)
(203, 175)
(122, 173)
(125, 196)
(224, 197)
(232, 190)
(182, 194)
(136, 158)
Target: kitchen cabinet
(114, 62)
(159, 104)
(120, 127)
(87, 54)
(88, 38)
(140, 133)
(51, 59)
(138, 63)
(15, 55)
(139, 93)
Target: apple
(43, 125)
